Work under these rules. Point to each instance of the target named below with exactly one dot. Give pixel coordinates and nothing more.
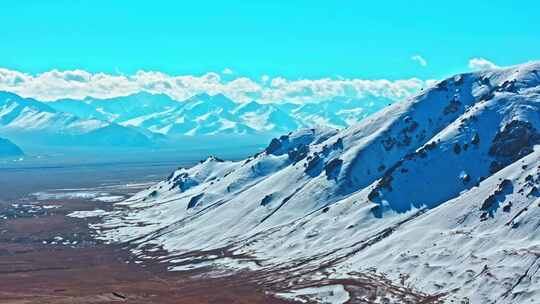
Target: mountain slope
(7, 148)
(437, 194)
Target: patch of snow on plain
(85, 214)
(329, 294)
(42, 196)
(109, 199)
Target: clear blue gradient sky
(293, 38)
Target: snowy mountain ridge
(156, 120)
(434, 199)
(204, 114)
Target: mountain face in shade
(437, 194)
(8, 149)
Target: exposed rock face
(452, 107)
(274, 146)
(404, 137)
(266, 200)
(313, 161)
(332, 167)
(457, 148)
(495, 166)
(490, 200)
(296, 145)
(182, 182)
(298, 153)
(194, 200)
(476, 139)
(515, 140)
(212, 158)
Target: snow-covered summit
(438, 194)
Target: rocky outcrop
(194, 200)
(515, 140)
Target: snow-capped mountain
(200, 115)
(8, 149)
(117, 109)
(339, 112)
(434, 199)
(145, 119)
(204, 114)
(31, 121)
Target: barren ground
(32, 271)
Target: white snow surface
(110, 198)
(438, 192)
(18, 114)
(331, 294)
(204, 114)
(85, 214)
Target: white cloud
(479, 63)
(78, 84)
(421, 61)
(227, 71)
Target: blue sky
(294, 39)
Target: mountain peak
(24, 102)
(146, 94)
(201, 96)
(219, 97)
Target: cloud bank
(479, 64)
(78, 84)
(227, 71)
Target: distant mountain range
(148, 120)
(212, 115)
(31, 121)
